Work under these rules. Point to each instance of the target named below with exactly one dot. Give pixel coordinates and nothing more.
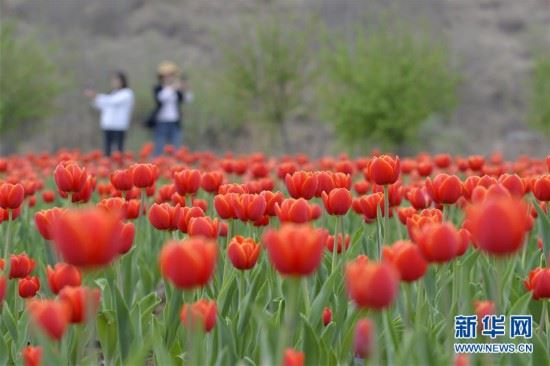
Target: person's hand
(90, 93)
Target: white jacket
(116, 109)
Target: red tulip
(248, 207)
(123, 180)
(404, 213)
(407, 258)
(271, 199)
(443, 160)
(80, 299)
(223, 205)
(327, 316)
(164, 216)
(369, 205)
(297, 211)
(189, 263)
(201, 313)
(243, 252)
(383, 170)
(69, 177)
(445, 188)
(438, 242)
(483, 308)
(419, 198)
(513, 183)
(127, 233)
(424, 168)
(203, 226)
(295, 250)
(62, 275)
(184, 216)
(48, 196)
(32, 356)
(538, 283)
(20, 265)
(293, 358)
(87, 238)
(548, 162)
(11, 195)
(144, 175)
(301, 184)
(3, 285)
(340, 243)
(28, 286)
(371, 284)
(475, 162)
(187, 181)
(498, 224)
(541, 188)
(337, 201)
(211, 181)
(364, 338)
(51, 316)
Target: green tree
(29, 80)
(383, 85)
(540, 98)
(264, 74)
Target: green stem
(386, 216)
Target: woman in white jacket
(116, 111)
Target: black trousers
(113, 137)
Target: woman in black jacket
(170, 94)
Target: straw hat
(168, 68)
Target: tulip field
(193, 258)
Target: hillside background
(491, 44)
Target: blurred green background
(286, 76)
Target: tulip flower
(341, 243)
(187, 181)
(87, 238)
(127, 233)
(327, 316)
(82, 302)
(513, 184)
(203, 226)
(28, 286)
(208, 227)
(404, 213)
(364, 338)
(164, 216)
(301, 184)
(32, 356)
(438, 242)
(548, 163)
(419, 198)
(297, 211)
(538, 283)
(371, 284)
(417, 221)
(48, 196)
(189, 263)
(199, 314)
(337, 202)
(295, 250)
(475, 162)
(369, 205)
(51, 316)
(243, 252)
(20, 265)
(123, 180)
(224, 206)
(541, 188)
(482, 309)
(498, 224)
(61, 275)
(271, 199)
(442, 161)
(11, 195)
(444, 189)
(248, 207)
(383, 170)
(293, 358)
(211, 181)
(407, 259)
(144, 175)
(3, 285)
(69, 177)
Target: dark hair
(123, 79)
